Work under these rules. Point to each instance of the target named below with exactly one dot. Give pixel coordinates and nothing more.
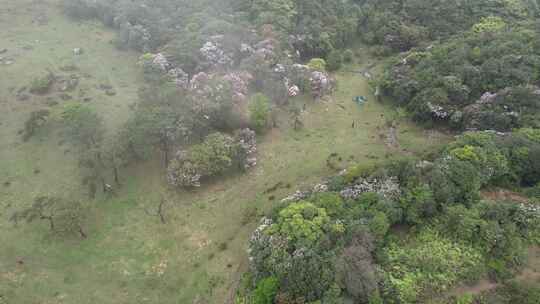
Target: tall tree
(64, 217)
(84, 129)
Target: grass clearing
(130, 256)
(38, 38)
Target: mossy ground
(130, 256)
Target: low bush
(266, 290)
(334, 60)
(429, 263)
(36, 119)
(212, 157)
(317, 64)
(348, 56)
(259, 111)
(41, 84)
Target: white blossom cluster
(214, 55)
(300, 195)
(319, 188)
(387, 188)
(239, 83)
(199, 83)
(160, 63)
(258, 237)
(179, 78)
(300, 68)
(247, 142)
(531, 210)
(297, 196)
(159, 60)
(187, 177)
(263, 247)
(280, 69)
(265, 48)
(258, 234)
(487, 97)
(438, 111)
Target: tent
(360, 100)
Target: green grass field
(130, 256)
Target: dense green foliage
(317, 64)
(212, 157)
(312, 28)
(83, 126)
(334, 60)
(399, 26)
(265, 291)
(344, 237)
(483, 80)
(259, 111)
(428, 262)
(470, 65)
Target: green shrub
(348, 56)
(332, 202)
(336, 183)
(533, 192)
(481, 151)
(429, 263)
(266, 290)
(37, 118)
(41, 84)
(465, 299)
(317, 64)
(358, 171)
(489, 24)
(332, 295)
(379, 225)
(302, 223)
(212, 157)
(418, 203)
(530, 133)
(259, 111)
(334, 60)
(376, 299)
(498, 270)
(521, 292)
(455, 182)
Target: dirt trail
(237, 279)
(530, 273)
(504, 195)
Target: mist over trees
(219, 76)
